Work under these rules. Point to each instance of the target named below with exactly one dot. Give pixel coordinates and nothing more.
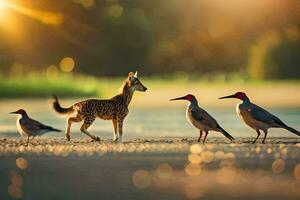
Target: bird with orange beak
(257, 117)
(200, 119)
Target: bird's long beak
(179, 98)
(13, 112)
(227, 97)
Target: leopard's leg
(120, 128)
(86, 124)
(70, 121)
(115, 124)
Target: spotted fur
(115, 109)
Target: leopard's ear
(130, 74)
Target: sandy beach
(160, 168)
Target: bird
(256, 117)
(201, 119)
(30, 127)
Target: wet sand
(160, 168)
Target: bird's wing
(197, 115)
(262, 115)
(204, 117)
(35, 125)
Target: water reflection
(220, 169)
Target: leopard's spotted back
(107, 109)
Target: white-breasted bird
(30, 127)
(200, 119)
(257, 117)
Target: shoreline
(57, 146)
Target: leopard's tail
(59, 109)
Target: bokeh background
(79, 49)
(257, 39)
(211, 48)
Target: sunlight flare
(48, 18)
(45, 17)
(3, 4)
(3, 10)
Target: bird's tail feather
(292, 130)
(57, 107)
(55, 130)
(225, 133)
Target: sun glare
(45, 17)
(4, 14)
(48, 18)
(3, 4)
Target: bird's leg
(258, 134)
(27, 140)
(200, 136)
(206, 133)
(266, 132)
(32, 138)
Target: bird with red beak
(200, 119)
(256, 117)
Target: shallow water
(159, 160)
(156, 168)
(141, 122)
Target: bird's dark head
(20, 111)
(239, 95)
(188, 97)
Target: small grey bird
(200, 119)
(30, 127)
(257, 117)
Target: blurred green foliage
(157, 37)
(37, 85)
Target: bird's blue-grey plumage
(261, 114)
(257, 117)
(204, 121)
(34, 128)
(30, 127)
(201, 119)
